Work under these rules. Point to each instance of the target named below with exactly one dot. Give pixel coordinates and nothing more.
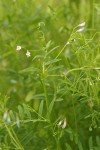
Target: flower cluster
(28, 54)
(63, 123)
(18, 48)
(82, 27)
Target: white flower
(82, 24)
(68, 43)
(5, 115)
(18, 48)
(28, 54)
(64, 124)
(8, 119)
(60, 122)
(80, 30)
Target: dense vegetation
(50, 75)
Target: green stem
(45, 90)
(56, 138)
(46, 100)
(75, 116)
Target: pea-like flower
(5, 115)
(18, 48)
(28, 54)
(82, 24)
(63, 123)
(60, 122)
(80, 30)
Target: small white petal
(28, 54)
(80, 30)
(8, 120)
(18, 48)
(64, 125)
(60, 122)
(5, 115)
(82, 24)
(68, 43)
